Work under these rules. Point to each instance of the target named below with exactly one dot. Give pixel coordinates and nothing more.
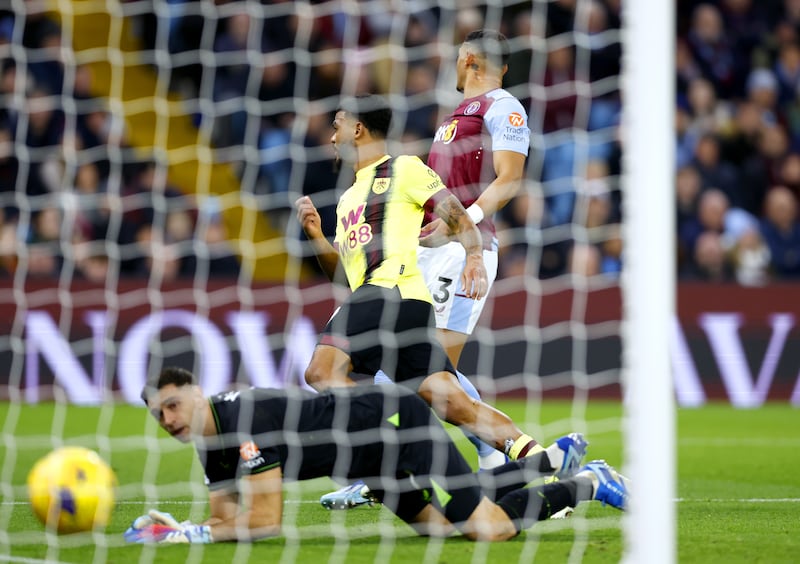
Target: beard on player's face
(346, 153)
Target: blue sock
(483, 448)
(382, 378)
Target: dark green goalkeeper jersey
(342, 433)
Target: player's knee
(489, 523)
(315, 378)
(448, 399)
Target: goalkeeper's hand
(161, 527)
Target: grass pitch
(737, 501)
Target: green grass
(738, 493)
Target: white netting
(150, 153)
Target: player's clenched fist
(308, 216)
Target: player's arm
(223, 505)
(260, 513)
(509, 166)
(449, 209)
(309, 219)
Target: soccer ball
(71, 490)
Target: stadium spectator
(420, 90)
(738, 143)
(715, 172)
(712, 49)
(584, 260)
(43, 245)
(46, 68)
(251, 441)
(787, 72)
(762, 168)
(781, 231)
(611, 250)
(9, 254)
(789, 173)
(762, 90)
(688, 186)
(705, 110)
(9, 171)
(750, 258)
(559, 156)
(513, 223)
(216, 253)
(710, 262)
(686, 69)
(714, 215)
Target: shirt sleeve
(253, 460)
(420, 182)
(507, 124)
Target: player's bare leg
(489, 523)
(329, 367)
(448, 399)
(453, 343)
(431, 523)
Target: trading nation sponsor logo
(251, 455)
(248, 450)
(516, 119)
(472, 108)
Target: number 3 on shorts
(443, 293)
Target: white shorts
(442, 268)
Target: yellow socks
(522, 447)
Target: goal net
(150, 156)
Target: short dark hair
(170, 375)
(371, 110)
(490, 44)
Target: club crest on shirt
(472, 108)
(380, 185)
(516, 119)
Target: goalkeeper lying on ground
(249, 441)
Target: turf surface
(738, 493)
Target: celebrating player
(479, 152)
(387, 322)
(249, 441)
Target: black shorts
(382, 331)
(420, 464)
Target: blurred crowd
(269, 75)
(738, 140)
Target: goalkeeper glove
(158, 526)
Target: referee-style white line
(26, 560)
(311, 501)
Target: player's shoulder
(503, 102)
(414, 172)
(411, 164)
(408, 161)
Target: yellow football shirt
(378, 221)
